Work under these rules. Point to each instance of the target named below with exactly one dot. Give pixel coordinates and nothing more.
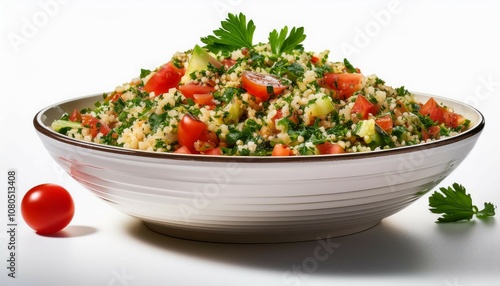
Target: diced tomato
(189, 131)
(385, 122)
(433, 131)
(281, 150)
(183, 150)
(434, 110)
(399, 109)
(203, 98)
(190, 89)
(260, 85)
(293, 118)
(229, 62)
(166, 78)
(425, 134)
(207, 140)
(113, 97)
(344, 84)
(453, 120)
(330, 148)
(75, 116)
(363, 107)
(314, 60)
(95, 125)
(214, 151)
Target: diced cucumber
(59, 125)
(321, 107)
(200, 59)
(372, 134)
(385, 138)
(366, 130)
(233, 111)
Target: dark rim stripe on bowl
(45, 130)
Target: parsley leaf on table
(235, 33)
(455, 205)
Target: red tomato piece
(281, 150)
(363, 107)
(229, 62)
(113, 97)
(95, 125)
(344, 84)
(47, 208)
(399, 109)
(75, 116)
(433, 131)
(453, 120)
(293, 118)
(330, 148)
(433, 110)
(260, 85)
(385, 122)
(314, 60)
(190, 89)
(183, 150)
(206, 141)
(213, 151)
(166, 78)
(189, 131)
(203, 98)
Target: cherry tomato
(344, 84)
(189, 131)
(166, 78)
(47, 208)
(260, 85)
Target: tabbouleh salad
(233, 97)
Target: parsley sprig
(456, 205)
(235, 33)
(281, 43)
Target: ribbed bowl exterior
(249, 200)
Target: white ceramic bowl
(257, 199)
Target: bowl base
(255, 237)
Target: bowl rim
(45, 130)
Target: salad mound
(233, 97)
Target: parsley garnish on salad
(235, 33)
(282, 43)
(456, 205)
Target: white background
(56, 50)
